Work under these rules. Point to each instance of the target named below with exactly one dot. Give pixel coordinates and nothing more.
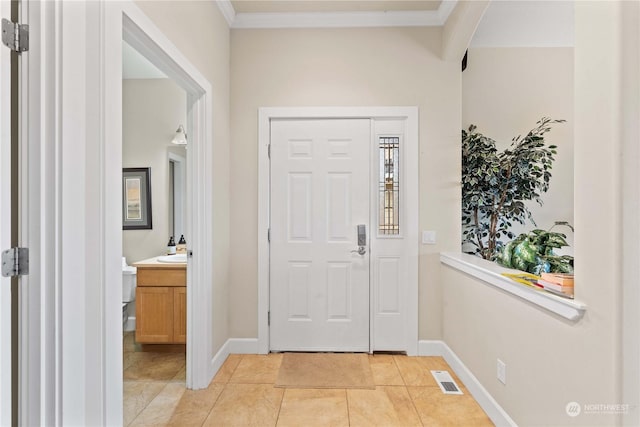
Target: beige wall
(505, 91)
(152, 109)
(345, 67)
(551, 361)
(199, 31)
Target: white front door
(319, 283)
(5, 224)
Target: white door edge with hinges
(5, 225)
(394, 259)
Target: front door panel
(319, 283)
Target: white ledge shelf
(491, 273)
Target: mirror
(177, 186)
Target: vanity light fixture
(180, 137)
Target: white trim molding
(265, 115)
(491, 273)
(439, 348)
(392, 18)
(232, 346)
(227, 10)
(115, 22)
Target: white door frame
(126, 21)
(410, 115)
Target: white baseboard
(218, 359)
(232, 346)
(243, 345)
(479, 393)
(130, 324)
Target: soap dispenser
(171, 246)
(182, 245)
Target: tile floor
(242, 394)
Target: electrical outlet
(502, 372)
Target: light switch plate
(428, 237)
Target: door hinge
(269, 235)
(15, 262)
(268, 318)
(269, 150)
(15, 36)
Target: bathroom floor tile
(246, 405)
(181, 376)
(161, 408)
(128, 342)
(384, 370)
(257, 369)
(313, 407)
(227, 369)
(137, 395)
(129, 358)
(154, 366)
(438, 409)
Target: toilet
(128, 289)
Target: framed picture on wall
(136, 199)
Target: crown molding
(227, 10)
(445, 9)
(337, 19)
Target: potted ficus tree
(496, 185)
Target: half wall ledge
(491, 273)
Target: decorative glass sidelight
(389, 186)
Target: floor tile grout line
(235, 368)
(280, 406)
(406, 388)
(273, 385)
(399, 371)
(224, 386)
(346, 398)
(413, 403)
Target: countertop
(154, 263)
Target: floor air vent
(446, 383)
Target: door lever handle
(362, 239)
(360, 251)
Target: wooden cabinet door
(180, 315)
(154, 319)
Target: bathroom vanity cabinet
(161, 304)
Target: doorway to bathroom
(154, 175)
(126, 22)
